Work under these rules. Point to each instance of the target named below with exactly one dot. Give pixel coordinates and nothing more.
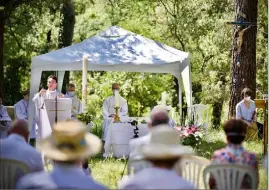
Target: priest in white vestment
(109, 111)
(76, 104)
(39, 98)
(21, 109)
(5, 121)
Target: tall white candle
(84, 81)
(163, 98)
(173, 113)
(117, 99)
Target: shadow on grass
(206, 149)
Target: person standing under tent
(21, 109)
(51, 93)
(76, 104)
(109, 111)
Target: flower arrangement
(85, 117)
(190, 135)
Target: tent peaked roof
(115, 46)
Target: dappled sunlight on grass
(107, 171)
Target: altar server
(109, 108)
(76, 104)
(5, 121)
(21, 109)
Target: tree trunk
(244, 73)
(2, 26)
(216, 114)
(66, 32)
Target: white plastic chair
(199, 114)
(10, 172)
(229, 176)
(191, 168)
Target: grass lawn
(108, 171)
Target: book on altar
(48, 115)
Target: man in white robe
(39, 98)
(76, 104)
(109, 111)
(5, 121)
(21, 109)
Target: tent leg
(60, 80)
(34, 85)
(180, 99)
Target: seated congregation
(156, 161)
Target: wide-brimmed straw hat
(164, 144)
(70, 141)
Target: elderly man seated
(163, 151)
(15, 147)
(67, 146)
(5, 121)
(158, 117)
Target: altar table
(118, 138)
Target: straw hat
(164, 144)
(70, 141)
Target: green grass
(108, 171)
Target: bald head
(20, 127)
(115, 86)
(159, 116)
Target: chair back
(191, 168)
(229, 176)
(10, 172)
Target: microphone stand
(133, 123)
(56, 109)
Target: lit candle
(84, 81)
(117, 99)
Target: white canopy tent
(115, 49)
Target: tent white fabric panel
(115, 49)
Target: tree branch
(14, 35)
(166, 8)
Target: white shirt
(3, 114)
(76, 105)
(136, 162)
(109, 107)
(63, 177)
(134, 144)
(39, 103)
(15, 147)
(245, 113)
(21, 109)
(156, 178)
(39, 99)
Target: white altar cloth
(118, 138)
